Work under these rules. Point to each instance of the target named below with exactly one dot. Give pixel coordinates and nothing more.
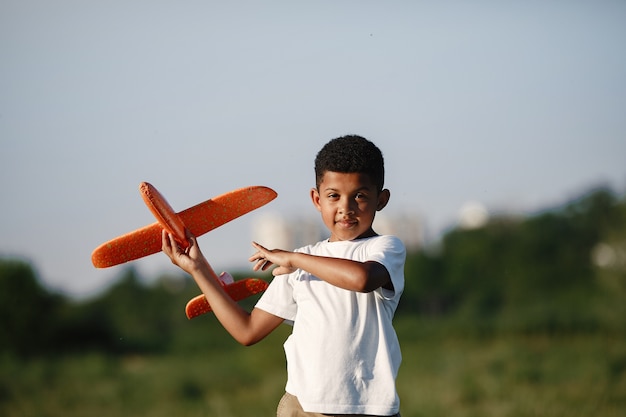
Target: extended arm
(344, 273)
(246, 328)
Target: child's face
(348, 203)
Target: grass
(443, 374)
(514, 376)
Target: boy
(340, 294)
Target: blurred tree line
(562, 270)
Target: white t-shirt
(343, 354)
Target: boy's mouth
(347, 223)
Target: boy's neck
(368, 234)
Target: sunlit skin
(348, 203)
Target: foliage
(28, 313)
(534, 274)
(541, 274)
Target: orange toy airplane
(199, 219)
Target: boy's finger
(190, 237)
(165, 241)
(259, 247)
(175, 248)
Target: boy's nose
(346, 207)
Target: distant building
(473, 215)
(406, 226)
(272, 231)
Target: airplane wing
(237, 291)
(199, 219)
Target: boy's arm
(344, 273)
(246, 328)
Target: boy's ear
(383, 199)
(315, 198)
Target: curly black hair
(349, 154)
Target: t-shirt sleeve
(278, 298)
(390, 252)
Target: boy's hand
(265, 258)
(189, 260)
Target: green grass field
(443, 374)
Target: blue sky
(518, 105)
